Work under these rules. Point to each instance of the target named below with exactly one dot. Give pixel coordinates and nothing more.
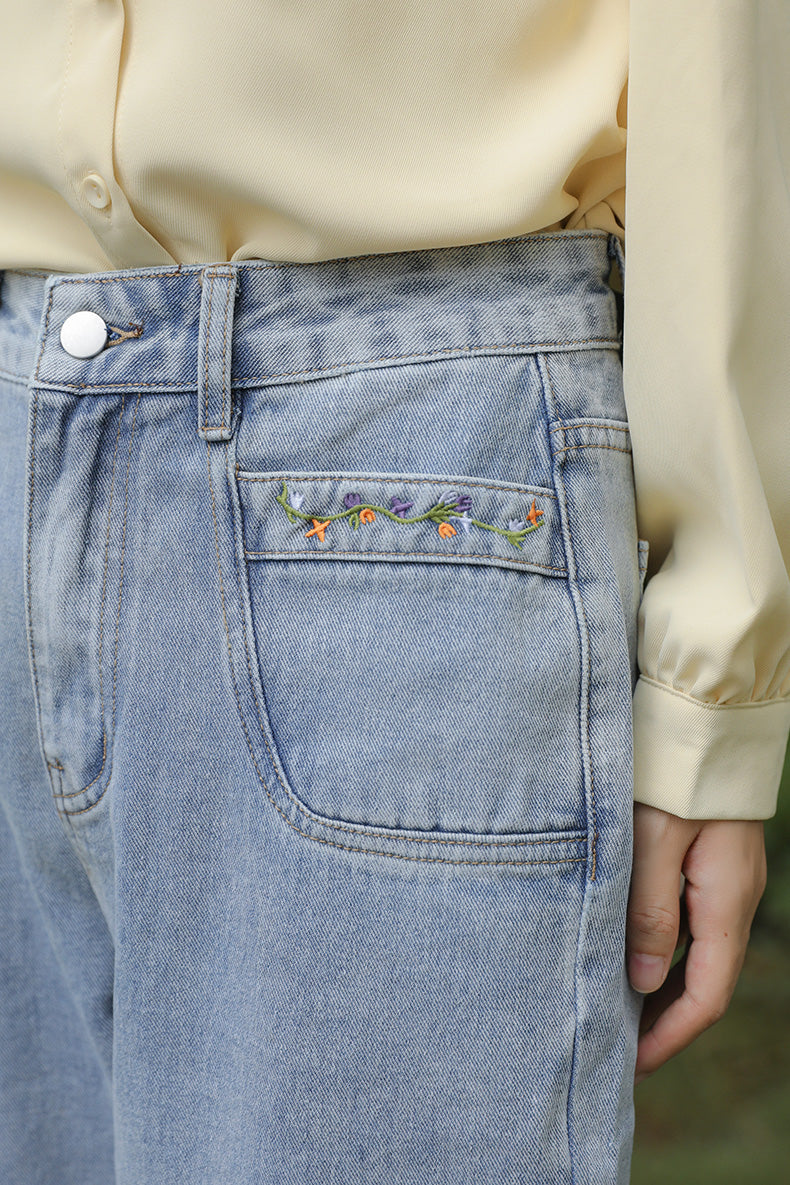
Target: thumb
(653, 918)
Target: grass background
(720, 1111)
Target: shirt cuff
(707, 761)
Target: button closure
(83, 334)
(96, 191)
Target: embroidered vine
(451, 505)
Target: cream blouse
(136, 133)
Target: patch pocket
(417, 653)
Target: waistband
(269, 323)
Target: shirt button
(83, 334)
(94, 190)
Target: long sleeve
(706, 370)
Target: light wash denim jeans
(318, 594)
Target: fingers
(695, 1000)
(653, 919)
(670, 990)
(725, 878)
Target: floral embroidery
(318, 529)
(450, 505)
(398, 507)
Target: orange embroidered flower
(318, 529)
(533, 514)
(446, 530)
(366, 515)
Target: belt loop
(215, 412)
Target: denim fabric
(318, 592)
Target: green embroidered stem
(438, 514)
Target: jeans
(318, 589)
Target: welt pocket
(400, 518)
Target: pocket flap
(411, 518)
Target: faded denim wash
(319, 590)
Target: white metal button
(96, 191)
(83, 334)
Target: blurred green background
(720, 1111)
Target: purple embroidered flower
(516, 524)
(296, 500)
(456, 501)
(351, 500)
(399, 507)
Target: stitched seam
(30, 530)
(594, 855)
(225, 345)
(445, 555)
(29, 577)
(103, 597)
(340, 827)
(701, 703)
(44, 336)
(118, 611)
(590, 424)
(612, 447)
(8, 377)
(207, 342)
(587, 738)
(528, 347)
(544, 369)
(400, 481)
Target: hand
(724, 866)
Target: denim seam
(572, 448)
(19, 379)
(207, 341)
(77, 793)
(459, 558)
(560, 345)
(585, 739)
(591, 424)
(528, 347)
(245, 475)
(30, 631)
(103, 598)
(326, 823)
(544, 370)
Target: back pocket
(416, 649)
